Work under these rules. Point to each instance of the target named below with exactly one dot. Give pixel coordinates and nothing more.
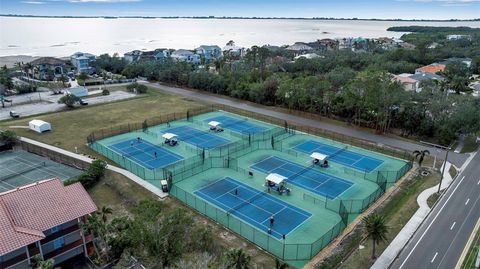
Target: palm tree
(280, 265)
(39, 263)
(237, 259)
(104, 212)
(376, 229)
(420, 155)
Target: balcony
(13, 261)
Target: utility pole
(447, 149)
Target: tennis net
(151, 134)
(29, 168)
(301, 172)
(338, 152)
(135, 153)
(234, 122)
(246, 202)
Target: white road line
(468, 200)
(436, 253)
(453, 225)
(478, 183)
(431, 223)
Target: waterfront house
(431, 68)
(209, 53)
(299, 48)
(154, 55)
(327, 44)
(183, 55)
(81, 61)
(233, 50)
(132, 56)
(47, 68)
(44, 219)
(458, 37)
(162, 54)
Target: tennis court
(253, 206)
(242, 126)
(340, 155)
(201, 139)
(21, 168)
(143, 153)
(304, 176)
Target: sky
(386, 9)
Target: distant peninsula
(232, 18)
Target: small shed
(169, 136)
(318, 156)
(214, 124)
(77, 91)
(39, 126)
(275, 178)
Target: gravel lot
(44, 102)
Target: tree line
(341, 84)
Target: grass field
(398, 211)
(70, 128)
(470, 145)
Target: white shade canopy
(318, 156)
(169, 136)
(214, 123)
(275, 178)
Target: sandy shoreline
(10, 61)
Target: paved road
(440, 240)
(455, 158)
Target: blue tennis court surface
(197, 137)
(239, 125)
(304, 176)
(345, 157)
(253, 206)
(143, 153)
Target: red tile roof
(433, 68)
(27, 211)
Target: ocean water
(64, 36)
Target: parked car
(83, 103)
(14, 114)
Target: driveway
(455, 158)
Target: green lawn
(433, 198)
(470, 145)
(469, 262)
(398, 211)
(71, 127)
(452, 171)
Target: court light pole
(447, 149)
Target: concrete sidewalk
(150, 187)
(402, 238)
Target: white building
(81, 62)
(39, 126)
(183, 55)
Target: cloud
(33, 2)
(446, 3)
(102, 1)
